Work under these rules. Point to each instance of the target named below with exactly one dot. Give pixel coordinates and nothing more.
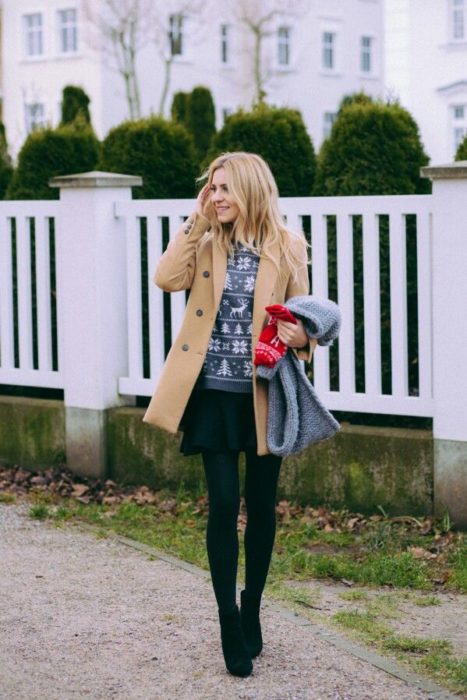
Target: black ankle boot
(236, 656)
(249, 615)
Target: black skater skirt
(218, 421)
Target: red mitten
(269, 348)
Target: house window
(34, 116)
(366, 58)
(225, 43)
(33, 37)
(283, 46)
(176, 35)
(459, 120)
(329, 50)
(68, 31)
(328, 120)
(458, 20)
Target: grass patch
(417, 645)
(7, 498)
(40, 511)
(354, 596)
(450, 671)
(426, 601)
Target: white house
(426, 68)
(312, 55)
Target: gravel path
(82, 617)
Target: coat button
(199, 312)
(185, 347)
(186, 231)
(206, 273)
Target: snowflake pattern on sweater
(228, 365)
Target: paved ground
(82, 617)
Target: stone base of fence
(361, 468)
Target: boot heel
(251, 626)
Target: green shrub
(201, 119)
(280, 137)
(6, 169)
(47, 153)
(373, 148)
(75, 105)
(179, 109)
(461, 153)
(158, 150)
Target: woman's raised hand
(202, 199)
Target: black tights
(262, 473)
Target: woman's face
(226, 208)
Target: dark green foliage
(360, 98)
(179, 109)
(158, 150)
(47, 153)
(6, 169)
(201, 119)
(280, 137)
(461, 153)
(373, 148)
(75, 105)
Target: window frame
(367, 52)
(458, 123)
(65, 29)
(30, 119)
(457, 11)
(327, 123)
(177, 36)
(226, 44)
(284, 44)
(32, 35)
(329, 50)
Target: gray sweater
(296, 416)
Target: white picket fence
(27, 357)
(317, 211)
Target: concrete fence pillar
(91, 303)
(450, 338)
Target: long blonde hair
(259, 225)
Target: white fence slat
(372, 314)
(156, 298)
(135, 327)
(425, 319)
(319, 261)
(7, 357)
(44, 325)
(345, 291)
(398, 287)
(23, 266)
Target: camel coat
(193, 262)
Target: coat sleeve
(299, 285)
(176, 267)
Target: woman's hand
(202, 199)
(292, 334)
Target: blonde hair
(259, 225)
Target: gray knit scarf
(296, 416)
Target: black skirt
(218, 421)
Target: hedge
(47, 153)
(278, 135)
(160, 151)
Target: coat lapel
(219, 268)
(265, 283)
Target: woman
(236, 256)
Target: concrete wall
(360, 469)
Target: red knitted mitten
(269, 348)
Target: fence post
(91, 302)
(450, 338)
